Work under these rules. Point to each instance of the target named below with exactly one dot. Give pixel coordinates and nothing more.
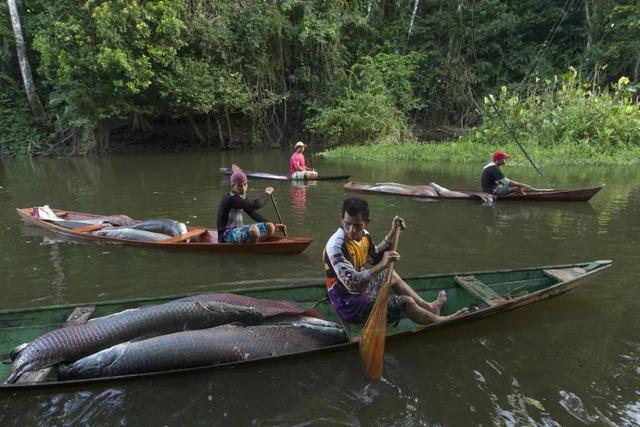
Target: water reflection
(573, 359)
(298, 193)
(57, 281)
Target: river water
(570, 360)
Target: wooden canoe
(199, 238)
(277, 177)
(486, 293)
(422, 191)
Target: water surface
(570, 360)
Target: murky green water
(571, 360)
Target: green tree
(104, 61)
(375, 105)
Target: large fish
(162, 225)
(413, 190)
(132, 234)
(74, 342)
(222, 344)
(487, 198)
(445, 192)
(266, 307)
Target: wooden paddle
(284, 230)
(373, 334)
(196, 232)
(88, 228)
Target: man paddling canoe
(494, 182)
(231, 228)
(297, 167)
(353, 288)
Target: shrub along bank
(561, 121)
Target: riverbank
(464, 152)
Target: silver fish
(132, 234)
(74, 342)
(162, 225)
(266, 307)
(222, 344)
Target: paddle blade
(373, 337)
(88, 228)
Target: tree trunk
(366, 19)
(228, 118)
(413, 16)
(285, 89)
(590, 14)
(209, 129)
(219, 125)
(195, 128)
(589, 26)
(25, 69)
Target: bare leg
(422, 316)
(402, 288)
(311, 174)
(516, 190)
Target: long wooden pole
(513, 135)
(373, 334)
(284, 230)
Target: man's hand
(281, 227)
(268, 190)
(398, 223)
(389, 256)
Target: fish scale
(221, 344)
(267, 307)
(74, 342)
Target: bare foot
(460, 312)
(439, 303)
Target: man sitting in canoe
(494, 182)
(231, 228)
(297, 168)
(352, 287)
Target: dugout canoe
(419, 191)
(197, 238)
(277, 177)
(487, 293)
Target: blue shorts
(501, 190)
(241, 234)
(298, 175)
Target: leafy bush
(20, 135)
(565, 112)
(563, 121)
(375, 104)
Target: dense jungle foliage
(233, 73)
(562, 121)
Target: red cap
(500, 155)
